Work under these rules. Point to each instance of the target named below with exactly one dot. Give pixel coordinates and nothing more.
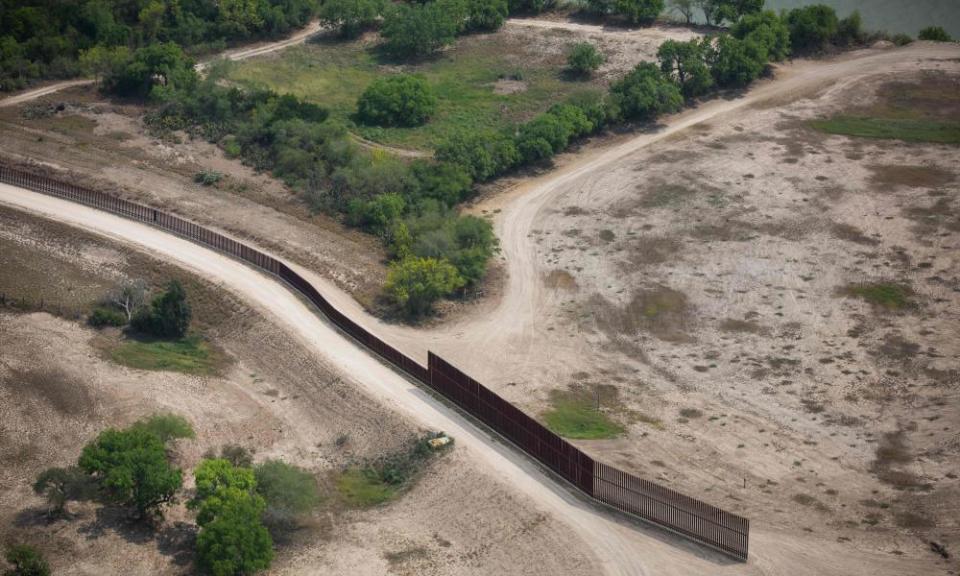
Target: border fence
(689, 517)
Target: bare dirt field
(776, 310)
(271, 395)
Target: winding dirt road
(621, 547)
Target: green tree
(415, 30)
(168, 315)
(850, 30)
(935, 34)
(414, 284)
(811, 27)
(769, 30)
(638, 11)
(102, 61)
(686, 64)
(351, 17)
(156, 70)
(584, 58)
(541, 138)
(685, 8)
(234, 541)
(482, 153)
(736, 63)
(131, 465)
(444, 182)
(716, 12)
(645, 93)
(26, 560)
(376, 214)
(398, 100)
(218, 484)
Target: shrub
(166, 427)
(483, 154)
(400, 100)
(103, 316)
(685, 63)
(444, 182)
(239, 456)
(414, 284)
(377, 214)
(168, 315)
(584, 58)
(769, 30)
(27, 561)
(288, 490)
(935, 34)
(901, 39)
(638, 11)
(594, 106)
(811, 27)
(414, 30)
(486, 14)
(850, 30)
(644, 93)
(541, 138)
(131, 465)
(737, 63)
(207, 177)
(351, 17)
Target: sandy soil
(275, 397)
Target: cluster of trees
(166, 316)
(415, 29)
(41, 39)
(633, 11)
(237, 504)
(409, 205)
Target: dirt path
(621, 547)
(656, 32)
(238, 54)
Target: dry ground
(709, 276)
(57, 391)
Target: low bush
(207, 177)
(26, 561)
(583, 59)
(935, 34)
(104, 316)
(289, 491)
(168, 315)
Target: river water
(894, 16)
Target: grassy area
(907, 129)
(575, 415)
(464, 78)
(364, 487)
(924, 110)
(190, 355)
(884, 294)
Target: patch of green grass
(333, 74)
(907, 129)
(190, 355)
(363, 487)
(883, 294)
(575, 415)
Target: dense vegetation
(26, 561)
(400, 100)
(42, 39)
(237, 504)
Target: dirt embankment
(272, 396)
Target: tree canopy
(645, 92)
(398, 100)
(414, 284)
(131, 465)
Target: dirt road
(238, 54)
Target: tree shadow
(177, 541)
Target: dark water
(907, 16)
